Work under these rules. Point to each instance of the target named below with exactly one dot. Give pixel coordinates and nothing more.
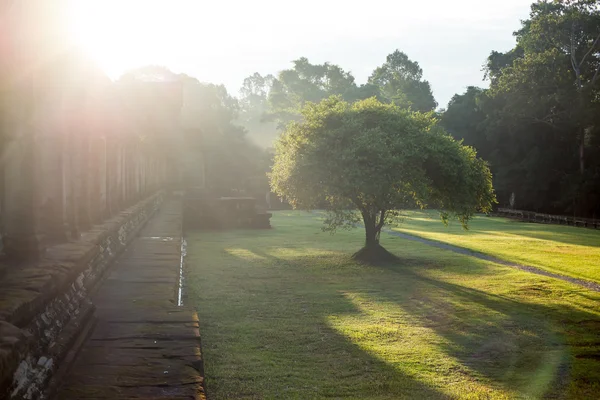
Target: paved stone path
(580, 282)
(144, 346)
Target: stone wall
(45, 305)
(82, 159)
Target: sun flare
(121, 35)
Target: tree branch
(590, 50)
(574, 63)
(381, 220)
(595, 76)
(380, 224)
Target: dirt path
(143, 346)
(461, 250)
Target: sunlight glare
(121, 35)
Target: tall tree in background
(254, 107)
(464, 118)
(256, 88)
(549, 91)
(539, 124)
(400, 81)
(209, 115)
(280, 99)
(153, 96)
(307, 82)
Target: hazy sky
(225, 41)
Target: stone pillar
(138, 173)
(123, 174)
(21, 237)
(83, 167)
(94, 205)
(135, 173)
(131, 161)
(143, 170)
(133, 197)
(71, 181)
(110, 168)
(117, 176)
(53, 218)
(102, 177)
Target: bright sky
(225, 41)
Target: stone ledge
(42, 301)
(13, 342)
(27, 288)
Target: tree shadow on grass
(489, 227)
(268, 337)
(539, 349)
(277, 320)
(428, 258)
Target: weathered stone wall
(45, 305)
(79, 154)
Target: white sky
(225, 41)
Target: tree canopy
(538, 123)
(254, 109)
(366, 161)
(307, 82)
(268, 99)
(400, 81)
(232, 161)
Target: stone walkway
(143, 346)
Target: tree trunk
(371, 239)
(372, 228)
(582, 152)
(373, 253)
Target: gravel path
(580, 282)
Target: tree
(544, 123)
(307, 82)
(208, 116)
(254, 107)
(400, 81)
(464, 118)
(152, 97)
(368, 160)
(256, 88)
(560, 64)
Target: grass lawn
(561, 249)
(286, 314)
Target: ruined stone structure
(83, 166)
(72, 158)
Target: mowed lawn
(565, 250)
(286, 314)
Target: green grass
(561, 249)
(286, 314)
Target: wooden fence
(530, 216)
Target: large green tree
(464, 118)
(544, 121)
(254, 109)
(368, 160)
(307, 82)
(400, 81)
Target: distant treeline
(538, 124)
